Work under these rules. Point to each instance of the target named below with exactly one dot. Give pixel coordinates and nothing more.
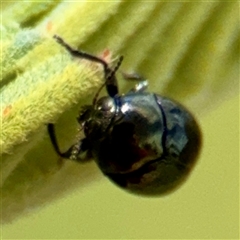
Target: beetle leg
(81, 54)
(132, 76)
(139, 87)
(77, 152)
(110, 79)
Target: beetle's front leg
(77, 152)
(139, 87)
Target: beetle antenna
(97, 93)
(112, 73)
(111, 81)
(109, 78)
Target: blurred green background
(188, 50)
(206, 206)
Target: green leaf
(188, 51)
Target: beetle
(143, 142)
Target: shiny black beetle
(143, 142)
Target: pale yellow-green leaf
(187, 51)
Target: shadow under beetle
(145, 143)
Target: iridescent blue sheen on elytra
(150, 146)
(143, 142)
